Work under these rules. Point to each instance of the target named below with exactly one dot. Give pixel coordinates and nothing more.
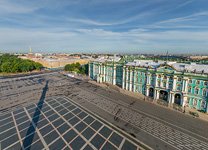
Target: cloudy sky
(116, 26)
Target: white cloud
(97, 39)
(7, 7)
(185, 18)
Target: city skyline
(115, 26)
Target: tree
(76, 67)
(13, 64)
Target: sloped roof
(197, 68)
(146, 63)
(193, 67)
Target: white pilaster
(130, 81)
(171, 95)
(134, 83)
(127, 78)
(156, 96)
(114, 75)
(123, 78)
(158, 93)
(173, 98)
(183, 85)
(156, 80)
(186, 86)
(167, 83)
(147, 92)
(104, 74)
(147, 79)
(174, 83)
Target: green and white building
(174, 83)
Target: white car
(70, 75)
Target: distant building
(198, 57)
(56, 60)
(174, 83)
(38, 55)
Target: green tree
(11, 63)
(77, 67)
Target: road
(156, 126)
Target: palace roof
(145, 63)
(193, 67)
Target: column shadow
(31, 130)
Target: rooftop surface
(58, 123)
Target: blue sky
(116, 26)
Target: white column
(158, 93)
(104, 74)
(183, 85)
(130, 81)
(134, 86)
(127, 78)
(156, 80)
(147, 78)
(174, 83)
(98, 75)
(114, 75)
(173, 98)
(98, 78)
(167, 83)
(147, 92)
(155, 94)
(186, 86)
(171, 95)
(123, 78)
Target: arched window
(179, 79)
(190, 81)
(196, 91)
(158, 83)
(170, 85)
(205, 83)
(189, 89)
(204, 92)
(195, 102)
(197, 82)
(164, 84)
(178, 87)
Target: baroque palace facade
(171, 82)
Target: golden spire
(30, 50)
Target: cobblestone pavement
(167, 134)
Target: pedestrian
(184, 107)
